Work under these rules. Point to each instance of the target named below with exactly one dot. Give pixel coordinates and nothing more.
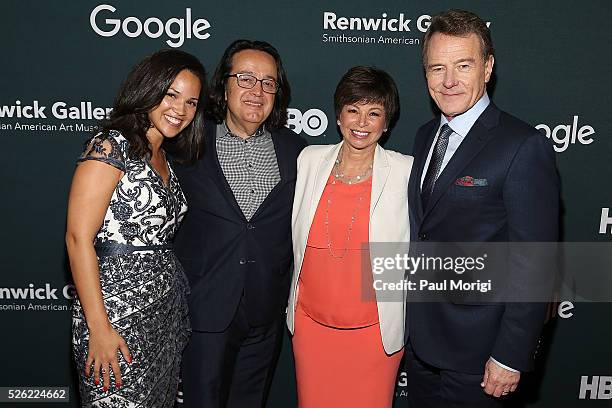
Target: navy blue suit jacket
(226, 256)
(520, 203)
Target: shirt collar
(461, 124)
(227, 132)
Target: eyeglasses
(249, 81)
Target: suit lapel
(474, 142)
(214, 169)
(380, 173)
(283, 169)
(421, 153)
(324, 168)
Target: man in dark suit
(235, 242)
(480, 175)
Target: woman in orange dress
(348, 340)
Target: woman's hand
(102, 355)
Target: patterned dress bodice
(142, 211)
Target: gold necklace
(349, 229)
(340, 176)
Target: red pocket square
(469, 181)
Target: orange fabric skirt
(338, 368)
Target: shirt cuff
(504, 366)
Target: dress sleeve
(109, 148)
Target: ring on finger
(103, 370)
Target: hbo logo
(313, 122)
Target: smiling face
(248, 109)
(362, 124)
(177, 109)
(456, 73)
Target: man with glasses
(235, 242)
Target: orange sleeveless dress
(338, 350)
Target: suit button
(243, 261)
(423, 236)
(250, 226)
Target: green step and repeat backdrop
(62, 63)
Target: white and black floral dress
(143, 285)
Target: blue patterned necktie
(435, 163)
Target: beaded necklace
(340, 177)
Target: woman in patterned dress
(130, 321)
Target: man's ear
(490, 61)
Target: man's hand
(498, 381)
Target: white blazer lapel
(324, 169)
(380, 173)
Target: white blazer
(388, 221)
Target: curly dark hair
(368, 84)
(216, 107)
(143, 90)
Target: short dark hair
(143, 90)
(368, 84)
(217, 106)
(459, 23)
